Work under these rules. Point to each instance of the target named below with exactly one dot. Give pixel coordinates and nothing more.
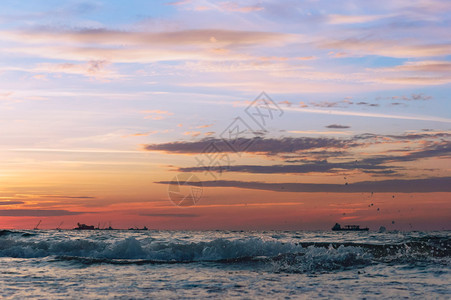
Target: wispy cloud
(341, 103)
(370, 114)
(376, 164)
(204, 126)
(75, 150)
(164, 215)
(367, 104)
(320, 132)
(156, 114)
(389, 48)
(235, 7)
(37, 212)
(192, 133)
(95, 69)
(337, 126)
(147, 133)
(11, 202)
(274, 146)
(173, 38)
(318, 167)
(182, 2)
(413, 97)
(258, 145)
(416, 72)
(108, 45)
(353, 19)
(68, 197)
(324, 155)
(428, 66)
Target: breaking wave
(281, 256)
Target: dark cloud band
(37, 213)
(428, 185)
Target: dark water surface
(224, 264)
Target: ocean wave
(280, 256)
(131, 248)
(312, 259)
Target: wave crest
(284, 257)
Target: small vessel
(84, 227)
(136, 228)
(37, 225)
(59, 226)
(337, 227)
(109, 227)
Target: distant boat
(59, 226)
(337, 227)
(144, 228)
(109, 227)
(37, 225)
(84, 227)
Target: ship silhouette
(337, 227)
(136, 228)
(84, 227)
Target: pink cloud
(234, 7)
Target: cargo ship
(84, 227)
(337, 227)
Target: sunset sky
(103, 103)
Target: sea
(131, 264)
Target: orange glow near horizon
(127, 195)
